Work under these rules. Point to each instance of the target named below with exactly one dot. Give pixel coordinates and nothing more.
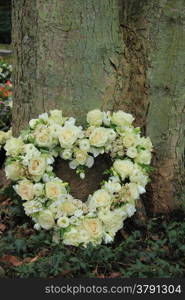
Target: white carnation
(144, 157)
(66, 154)
(63, 222)
(131, 152)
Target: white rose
(112, 220)
(31, 150)
(100, 198)
(54, 130)
(63, 222)
(33, 123)
(123, 167)
(14, 171)
(146, 143)
(14, 146)
(132, 152)
(76, 236)
(144, 157)
(25, 189)
(112, 135)
(121, 118)
(113, 187)
(2, 137)
(54, 189)
(46, 220)
(138, 177)
(37, 166)
(68, 135)
(95, 117)
(80, 156)
(99, 137)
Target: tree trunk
(110, 54)
(66, 56)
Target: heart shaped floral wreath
(46, 197)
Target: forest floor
(155, 249)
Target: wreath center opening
(81, 188)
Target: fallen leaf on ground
(28, 260)
(13, 260)
(2, 227)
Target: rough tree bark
(111, 54)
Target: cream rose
(123, 167)
(130, 140)
(46, 220)
(14, 146)
(67, 207)
(100, 198)
(68, 135)
(14, 171)
(54, 189)
(93, 227)
(129, 192)
(95, 117)
(37, 166)
(25, 189)
(44, 138)
(76, 236)
(99, 137)
(121, 118)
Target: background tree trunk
(153, 32)
(111, 54)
